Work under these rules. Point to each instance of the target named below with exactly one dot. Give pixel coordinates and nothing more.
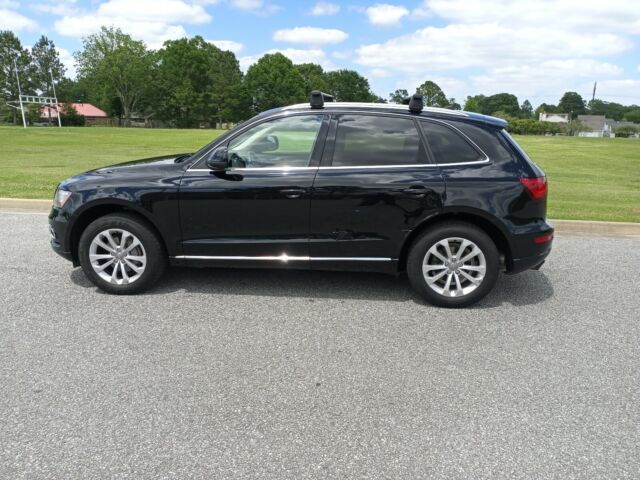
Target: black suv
(446, 196)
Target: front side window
(448, 146)
(282, 142)
(370, 140)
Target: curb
(563, 227)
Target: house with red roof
(92, 114)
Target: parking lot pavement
(285, 374)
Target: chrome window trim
(283, 258)
(359, 167)
(287, 113)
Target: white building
(554, 117)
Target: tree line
(190, 83)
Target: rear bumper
(529, 253)
(527, 263)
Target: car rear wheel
(453, 265)
(121, 254)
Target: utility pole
(24, 122)
(53, 86)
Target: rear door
(374, 185)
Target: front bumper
(58, 223)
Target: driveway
(285, 374)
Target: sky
(534, 49)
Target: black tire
(156, 258)
(442, 231)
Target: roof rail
(317, 99)
(415, 103)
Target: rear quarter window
(448, 145)
(490, 140)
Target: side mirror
(218, 161)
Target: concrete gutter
(563, 227)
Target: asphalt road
(293, 375)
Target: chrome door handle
(292, 192)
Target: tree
(45, 63)
(398, 96)
(70, 116)
(526, 109)
(432, 95)
(626, 131)
(11, 49)
(196, 82)
(545, 108)
(273, 82)
(572, 102)
(349, 86)
(314, 77)
(633, 115)
(500, 102)
(452, 104)
(608, 109)
(114, 65)
(472, 103)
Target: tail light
(536, 187)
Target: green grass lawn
(589, 178)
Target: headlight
(61, 198)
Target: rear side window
(490, 140)
(448, 146)
(369, 140)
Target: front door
(258, 209)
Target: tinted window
(363, 140)
(283, 142)
(448, 146)
(490, 140)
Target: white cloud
(311, 35)
(10, 20)
(246, 4)
(297, 56)
(546, 80)
(536, 50)
(230, 45)
(585, 15)
(153, 21)
(55, 7)
(325, 8)
(68, 61)
(626, 91)
(9, 4)
(459, 46)
(385, 15)
(173, 11)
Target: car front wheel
(453, 265)
(121, 254)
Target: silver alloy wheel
(117, 256)
(454, 267)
